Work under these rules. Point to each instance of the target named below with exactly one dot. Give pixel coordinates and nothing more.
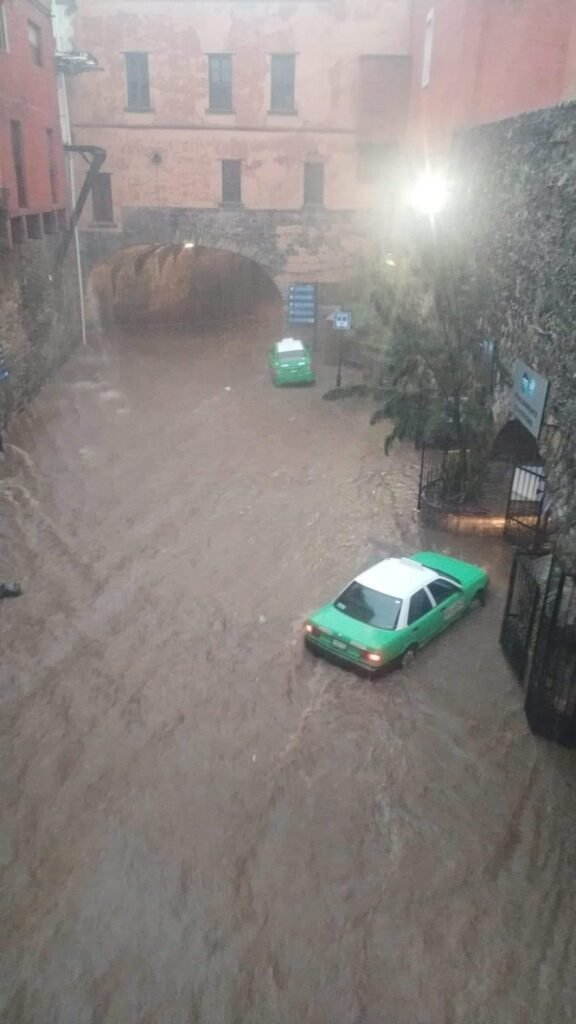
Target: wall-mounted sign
(302, 304)
(529, 394)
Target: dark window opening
(18, 228)
(34, 225)
(62, 220)
(35, 40)
(4, 231)
(231, 181)
(52, 165)
(220, 82)
(384, 92)
(374, 160)
(3, 27)
(374, 83)
(18, 160)
(137, 81)
(282, 72)
(313, 184)
(420, 605)
(49, 223)
(102, 205)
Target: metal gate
(526, 518)
(520, 617)
(551, 696)
(437, 467)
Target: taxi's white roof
(289, 345)
(397, 577)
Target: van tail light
(311, 629)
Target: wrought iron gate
(526, 519)
(520, 617)
(551, 696)
(437, 466)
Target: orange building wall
(491, 59)
(28, 95)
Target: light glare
(430, 194)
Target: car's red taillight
(311, 629)
(373, 657)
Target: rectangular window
(220, 82)
(52, 165)
(428, 44)
(18, 161)
(373, 83)
(375, 159)
(35, 40)
(313, 184)
(282, 72)
(34, 225)
(231, 181)
(137, 81)
(3, 27)
(102, 206)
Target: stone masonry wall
(315, 244)
(39, 319)
(518, 185)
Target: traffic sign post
(342, 320)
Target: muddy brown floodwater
(203, 823)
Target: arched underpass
(182, 286)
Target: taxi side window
(420, 604)
(441, 590)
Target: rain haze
(287, 507)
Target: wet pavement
(203, 823)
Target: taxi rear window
(293, 355)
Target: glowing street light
(429, 194)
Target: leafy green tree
(437, 369)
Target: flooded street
(203, 823)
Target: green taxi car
(290, 363)
(388, 612)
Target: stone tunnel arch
(179, 284)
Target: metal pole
(72, 179)
(339, 374)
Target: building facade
(32, 176)
(479, 61)
(39, 322)
(256, 127)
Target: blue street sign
(302, 303)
